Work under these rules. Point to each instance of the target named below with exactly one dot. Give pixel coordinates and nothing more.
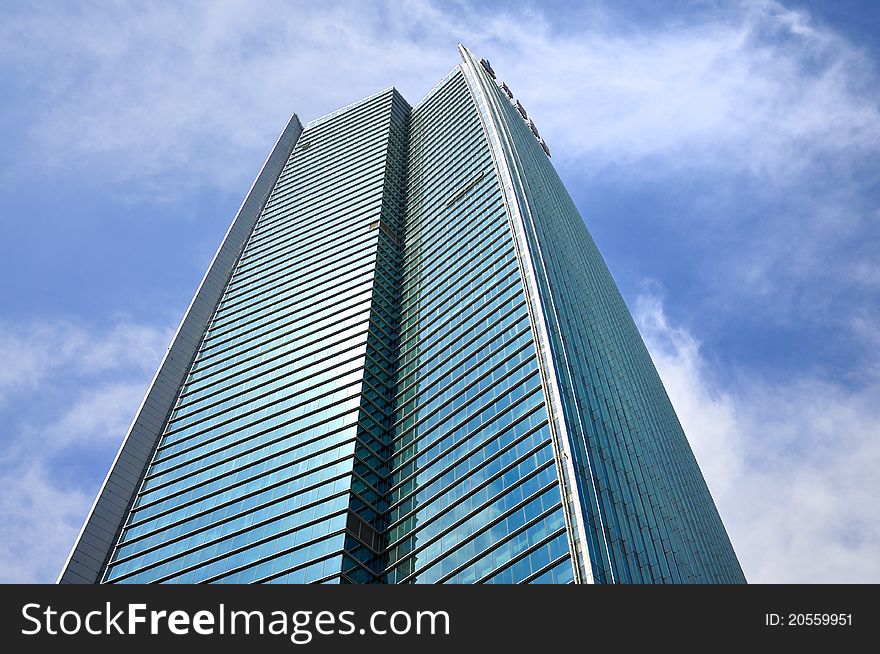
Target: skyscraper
(407, 363)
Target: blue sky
(724, 155)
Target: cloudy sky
(724, 155)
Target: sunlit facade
(407, 364)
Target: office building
(408, 363)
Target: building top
(349, 107)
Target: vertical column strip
(574, 518)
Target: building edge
(89, 555)
(576, 529)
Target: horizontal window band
(363, 250)
(237, 353)
(494, 499)
(304, 465)
(446, 508)
(321, 483)
(293, 254)
(495, 545)
(216, 541)
(527, 370)
(530, 411)
(231, 427)
(338, 337)
(429, 365)
(526, 348)
(533, 548)
(256, 562)
(257, 445)
(307, 376)
(467, 474)
(307, 564)
(302, 458)
(421, 339)
(431, 392)
(565, 558)
(238, 498)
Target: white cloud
(34, 351)
(778, 117)
(40, 523)
(99, 414)
(792, 467)
(758, 91)
(159, 86)
(197, 92)
(64, 390)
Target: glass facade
(651, 518)
(275, 447)
(473, 495)
(419, 371)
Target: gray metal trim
(87, 559)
